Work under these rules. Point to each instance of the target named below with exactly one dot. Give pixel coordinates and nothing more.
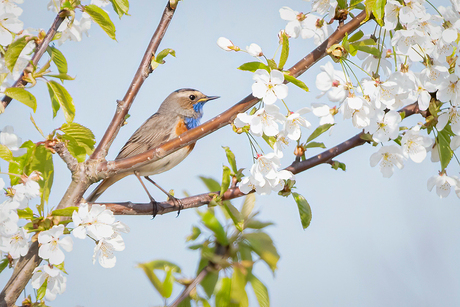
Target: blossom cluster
(420, 66)
(97, 223)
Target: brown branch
(142, 73)
(129, 208)
(80, 181)
(106, 169)
(66, 156)
(38, 54)
(199, 278)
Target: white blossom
(56, 281)
(293, 123)
(269, 87)
(389, 157)
(443, 184)
(415, 145)
(51, 243)
(254, 50)
(97, 222)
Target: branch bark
(80, 181)
(37, 55)
(129, 208)
(106, 169)
(142, 73)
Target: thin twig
(129, 208)
(38, 54)
(106, 169)
(141, 74)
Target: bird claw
(177, 203)
(155, 207)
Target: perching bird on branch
(179, 112)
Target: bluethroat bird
(179, 112)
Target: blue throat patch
(192, 122)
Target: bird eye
(192, 97)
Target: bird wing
(155, 131)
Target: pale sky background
(372, 241)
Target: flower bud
(227, 44)
(254, 50)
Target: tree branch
(80, 181)
(142, 73)
(129, 208)
(66, 156)
(37, 55)
(106, 169)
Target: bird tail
(104, 185)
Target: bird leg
(152, 200)
(175, 200)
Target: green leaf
(64, 212)
(223, 291)
(211, 222)
(43, 162)
(42, 290)
(209, 282)
(61, 98)
(163, 53)
(13, 52)
(342, 4)
(3, 77)
(336, 165)
(163, 288)
(284, 50)
(235, 215)
(357, 36)
(255, 224)
(81, 140)
(3, 264)
(296, 82)
(211, 184)
(271, 140)
(318, 131)
(262, 245)
(22, 162)
(26, 213)
(260, 291)
(226, 178)
(36, 126)
(194, 235)
(315, 144)
(5, 153)
(376, 8)
(248, 205)
(445, 152)
(304, 209)
(355, 2)
(61, 76)
(168, 283)
(272, 64)
(238, 293)
(121, 7)
(59, 59)
(100, 17)
(22, 95)
(231, 159)
(253, 66)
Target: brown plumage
(179, 112)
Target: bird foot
(177, 203)
(156, 207)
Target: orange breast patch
(181, 127)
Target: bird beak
(207, 98)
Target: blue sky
(372, 241)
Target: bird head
(186, 102)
